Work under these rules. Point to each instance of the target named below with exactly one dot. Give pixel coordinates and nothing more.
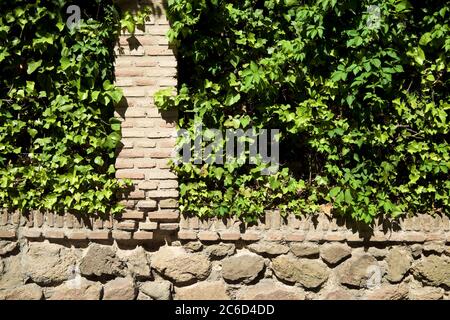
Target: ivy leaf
(32, 66)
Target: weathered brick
(146, 61)
(274, 235)
(161, 133)
(133, 133)
(208, 236)
(230, 235)
(168, 184)
(126, 225)
(143, 235)
(295, 237)
(136, 112)
(148, 185)
(147, 204)
(133, 153)
(31, 233)
(165, 193)
(413, 237)
(168, 226)
(130, 174)
(164, 215)
(128, 72)
(435, 236)
(145, 81)
(334, 236)
(121, 235)
(77, 235)
(124, 163)
(156, 50)
(187, 235)
(160, 153)
(144, 163)
(144, 143)
(148, 225)
(54, 234)
(159, 174)
(168, 203)
(137, 194)
(250, 236)
(132, 214)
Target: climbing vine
(58, 134)
(358, 89)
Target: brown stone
(7, 247)
(338, 294)
(220, 250)
(398, 261)
(77, 289)
(305, 250)
(179, 266)
(242, 267)
(48, 263)
(426, 293)
(120, 289)
(310, 274)
(335, 253)
(214, 290)
(433, 270)
(137, 262)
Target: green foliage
(58, 133)
(362, 108)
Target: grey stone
(335, 253)
(215, 290)
(26, 292)
(101, 260)
(310, 274)
(179, 266)
(242, 267)
(157, 290)
(433, 270)
(426, 293)
(7, 247)
(220, 250)
(120, 289)
(398, 262)
(48, 263)
(270, 290)
(77, 289)
(305, 250)
(137, 262)
(359, 271)
(268, 248)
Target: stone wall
(150, 252)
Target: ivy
(361, 100)
(58, 134)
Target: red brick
(133, 133)
(132, 153)
(295, 237)
(99, 235)
(121, 235)
(54, 234)
(126, 225)
(148, 185)
(122, 163)
(147, 204)
(128, 72)
(143, 235)
(168, 203)
(133, 215)
(187, 235)
(130, 174)
(334, 236)
(137, 194)
(31, 233)
(250, 236)
(168, 184)
(167, 193)
(413, 237)
(77, 235)
(148, 225)
(159, 174)
(144, 163)
(145, 81)
(208, 236)
(274, 236)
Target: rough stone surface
(335, 253)
(426, 293)
(388, 292)
(48, 263)
(7, 247)
(243, 267)
(268, 248)
(433, 270)
(215, 290)
(220, 250)
(27, 292)
(358, 270)
(11, 275)
(157, 290)
(270, 290)
(77, 289)
(120, 289)
(136, 261)
(194, 246)
(378, 253)
(305, 250)
(434, 248)
(416, 250)
(338, 294)
(100, 260)
(310, 274)
(179, 266)
(398, 261)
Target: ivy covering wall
(361, 99)
(58, 134)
